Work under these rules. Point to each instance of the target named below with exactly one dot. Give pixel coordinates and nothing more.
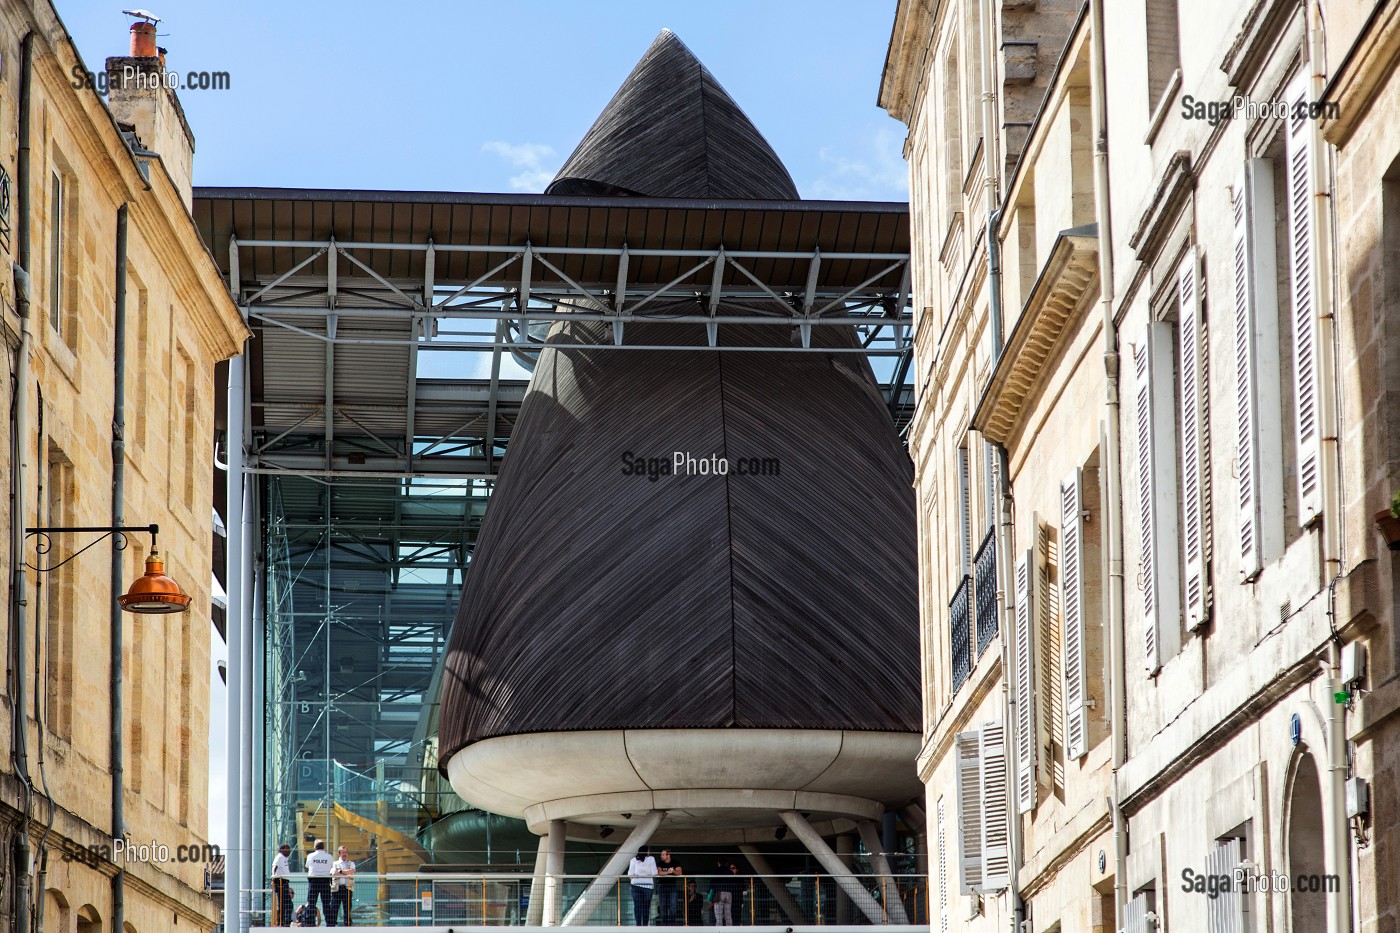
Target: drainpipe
(118, 519)
(19, 469)
(1338, 848)
(1111, 458)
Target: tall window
(57, 212)
(59, 494)
(1163, 49)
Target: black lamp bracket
(119, 533)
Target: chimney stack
(143, 40)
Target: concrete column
(590, 899)
(534, 913)
(845, 851)
(839, 873)
(554, 873)
(915, 819)
(889, 887)
(781, 895)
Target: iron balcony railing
(438, 899)
(984, 569)
(959, 621)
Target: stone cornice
(1056, 302)
(1368, 66)
(1170, 194)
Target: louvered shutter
(1303, 295)
(1225, 912)
(996, 812)
(1154, 437)
(1072, 608)
(1136, 915)
(1025, 683)
(1193, 459)
(965, 511)
(1051, 721)
(969, 812)
(1259, 456)
(942, 869)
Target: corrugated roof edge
(536, 200)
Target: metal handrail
(427, 899)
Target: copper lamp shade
(155, 592)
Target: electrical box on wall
(1358, 797)
(1353, 663)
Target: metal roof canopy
(345, 288)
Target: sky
(493, 96)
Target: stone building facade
(87, 157)
(1152, 414)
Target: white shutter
(1259, 458)
(1137, 915)
(996, 814)
(1304, 304)
(969, 812)
(942, 870)
(1025, 683)
(1154, 442)
(1225, 912)
(1193, 460)
(1072, 608)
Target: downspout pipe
(118, 519)
(233, 744)
(1338, 848)
(1111, 457)
(19, 470)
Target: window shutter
(996, 814)
(1138, 916)
(1193, 508)
(1259, 455)
(964, 510)
(969, 812)
(1225, 912)
(1304, 305)
(1154, 437)
(942, 870)
(1051, 720)
(1025, 683)
(1072, 608)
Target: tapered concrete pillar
(590, 899)
(845, 851)
(780, 894)
(553, 874)
(915, 819)
(828, 859)
(889, 886)
(534, 914)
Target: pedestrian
(641, 874)
(723, 889)
(282, 887)
(694, 906)
(318, 880)
(668, 890)
(307, 916)
(342, 886)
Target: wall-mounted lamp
(153, 593)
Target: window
(942, 869)
(59, 502)
(1139, 914)
(1154, 453)
(1195, 454)
(138, 327)
(983, 812)
(1228, 912)
(1072, 602)
(57, 293)
(1052, 689)
(1028, 599)
(952, 136)
(1163, 49)
(964, 510)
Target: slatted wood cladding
(671, 130)
(600, 600)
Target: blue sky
(493, 96)
(477, 96)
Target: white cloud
(532, 159)
(871, 168)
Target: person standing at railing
(318, 880)
(668, 890)
(282, 887)
(725, 891)
(342, 886)
(694, 906)
(641, 874)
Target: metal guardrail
(501, 899)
